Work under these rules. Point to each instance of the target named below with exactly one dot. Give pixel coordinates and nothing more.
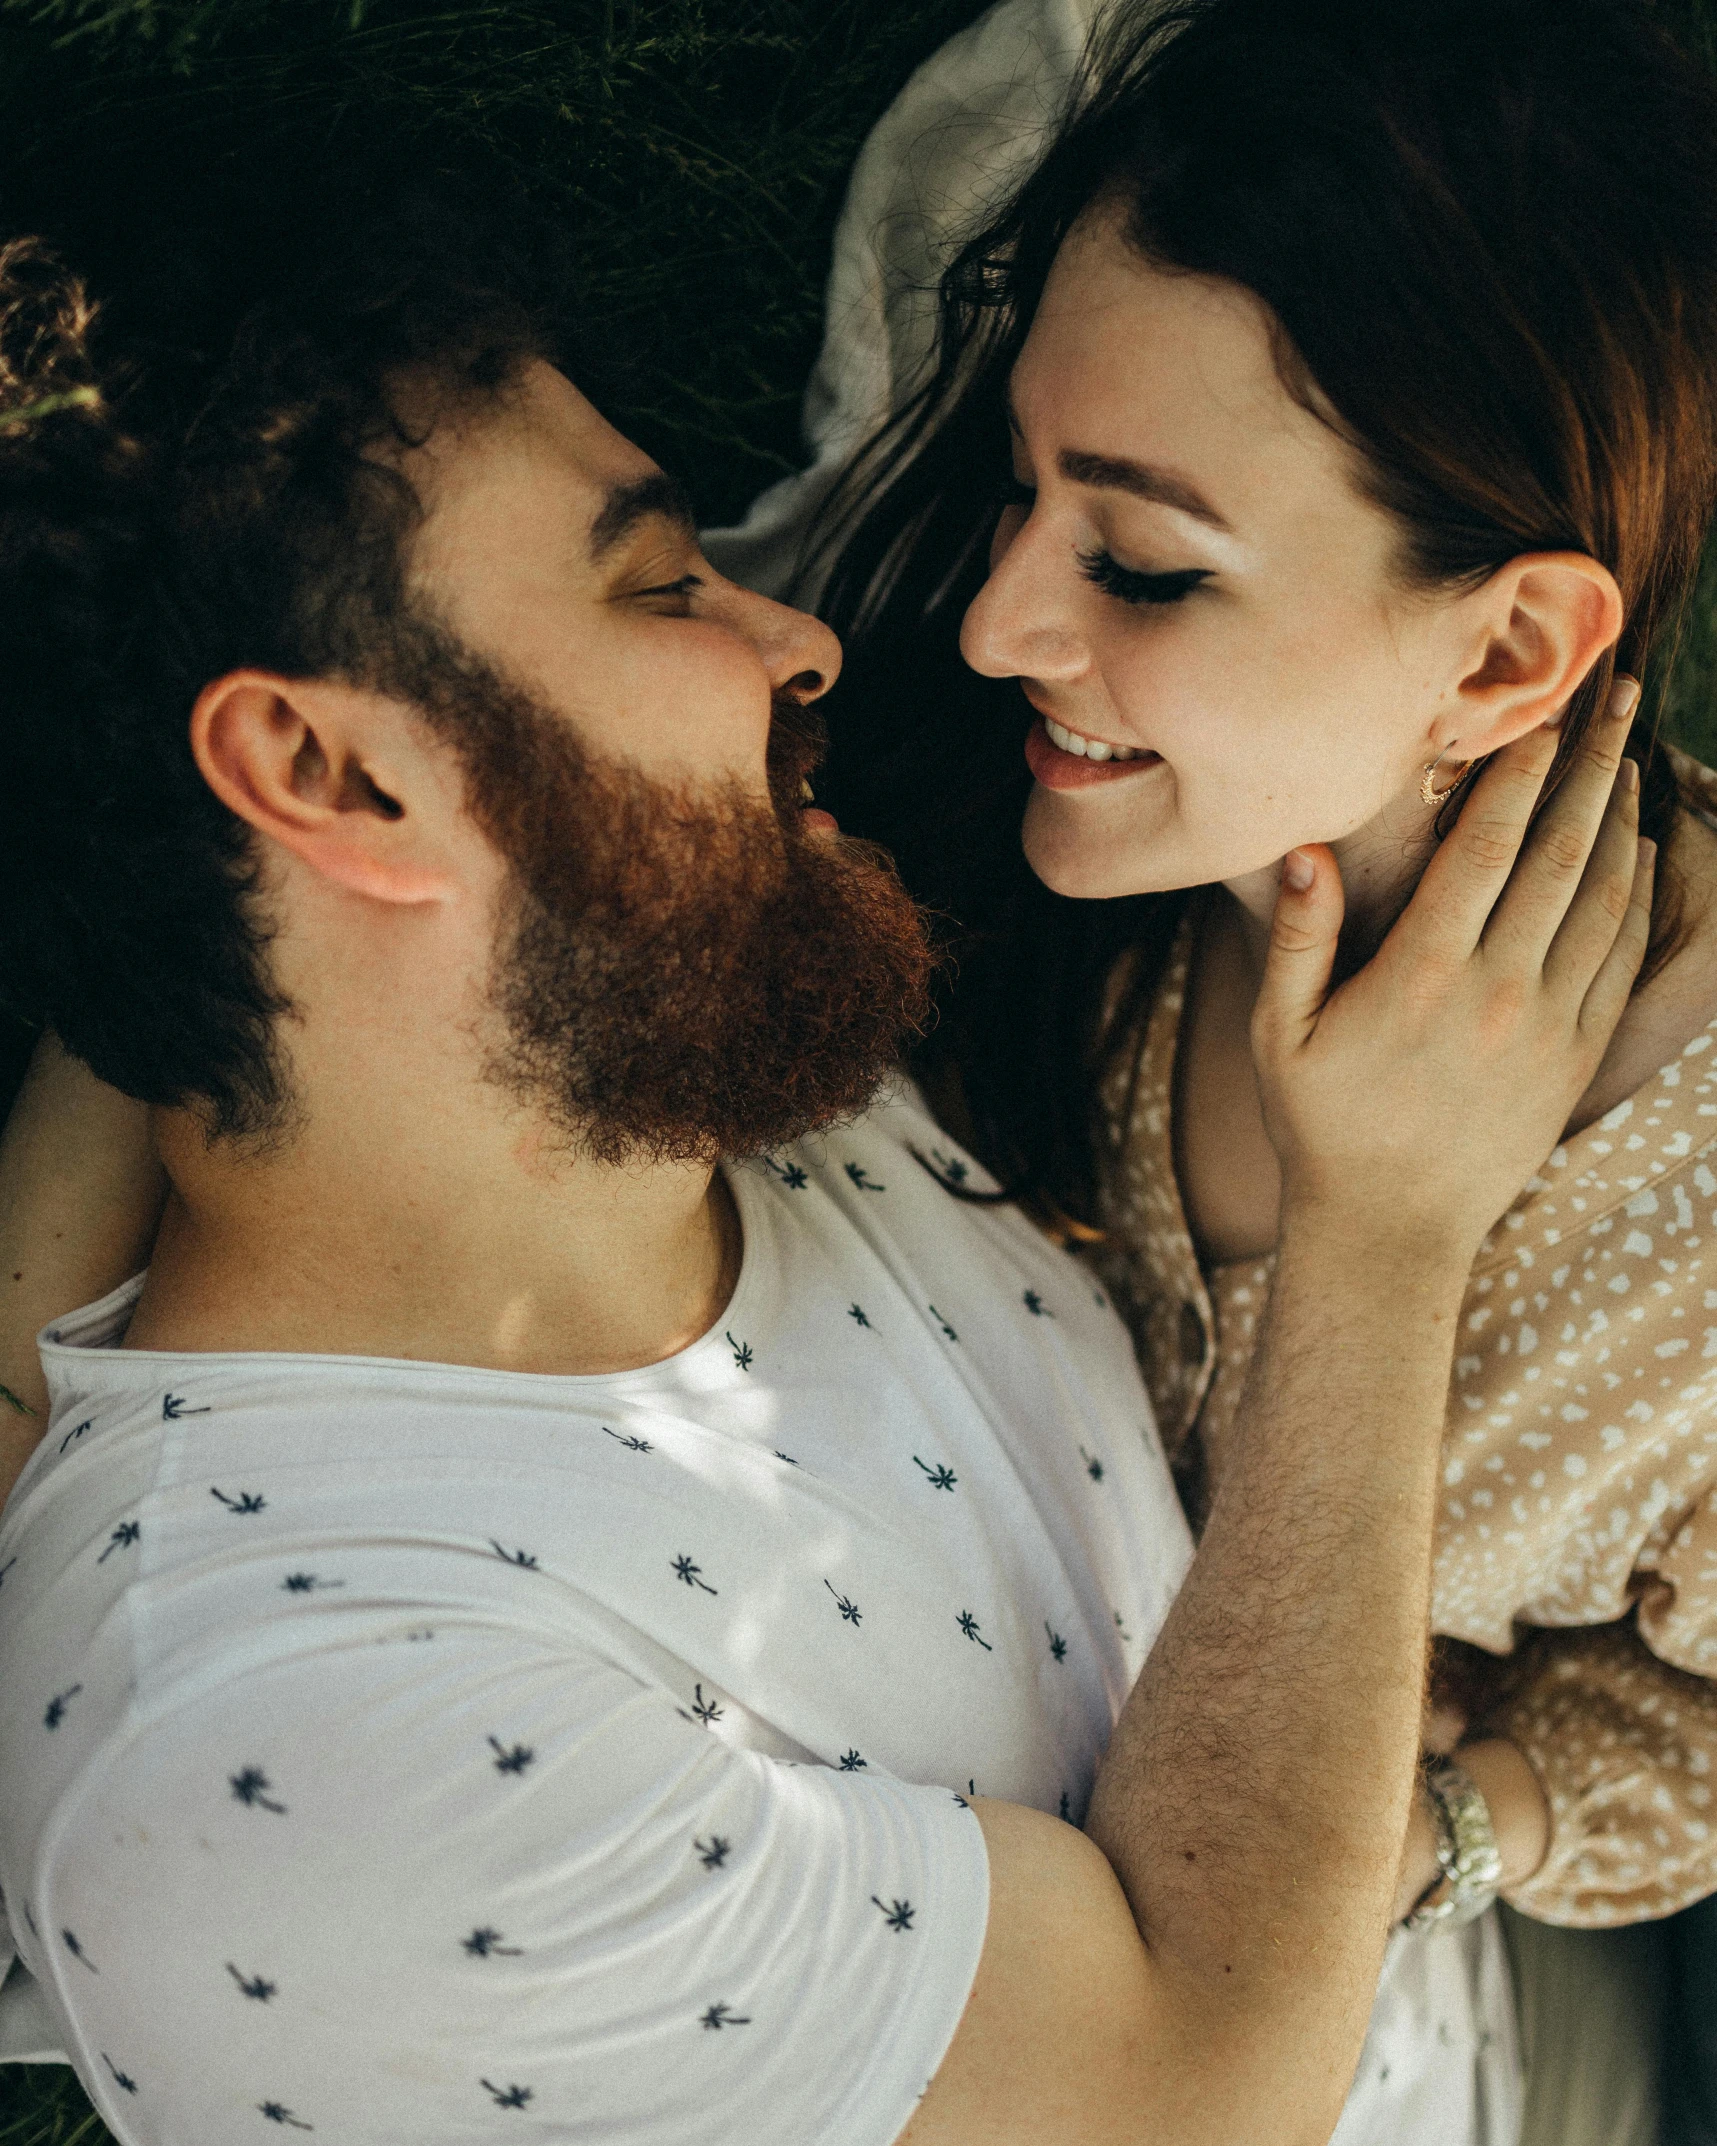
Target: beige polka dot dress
(1576, 1546)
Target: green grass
(699, 148)
(43, 2105)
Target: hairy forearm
(1257, 1790)
(80, 1197)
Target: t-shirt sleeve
(466, 1887)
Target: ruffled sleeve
(1625, 1746)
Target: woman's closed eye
(1126, 583)
(1133, 587)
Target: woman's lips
(1057, 770)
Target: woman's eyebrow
(1144, 480)
(626, 505)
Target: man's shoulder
(895, 1175)
(897, 1182)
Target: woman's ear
(1540, 623)
(343, 779)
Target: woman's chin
(1077, 862)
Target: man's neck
(469, 1237)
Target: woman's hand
(80, 1199)
(1412, 1103)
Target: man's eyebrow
(629, 504)
(1118, 473)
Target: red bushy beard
(683, 974)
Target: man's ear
(342, 778)
(1537, 627)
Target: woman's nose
(1014, 627)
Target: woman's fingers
(1465, 879)
(1303, 936)
(1607, 996)
(1600, 906)
(1553, 863)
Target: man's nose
(801, 654)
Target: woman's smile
(1079, 762)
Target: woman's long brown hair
(1487, 230)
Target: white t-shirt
(406, 1752)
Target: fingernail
(1624, 697)
(1629, 774)
(1298, 870)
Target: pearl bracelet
(1469, 1872)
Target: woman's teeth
(1089, 748)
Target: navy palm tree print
(247, 1501)
(723, 2015)
(509, 2097)
(940, 1478)
(850, 1612)
(123, 1536)
(57, 1705)
(514, 1760)
(250, 1787)
(897, 1914)
(485, 1944)
(120, 2080)
(713, 1853)
(253, 1986)
(969, 1625)
(278, 2113)
(174, 1405)
(704, 1710)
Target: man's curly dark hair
(194, 477)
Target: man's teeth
(1092, 748)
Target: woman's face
(1192, 577)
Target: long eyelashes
(1120, 581)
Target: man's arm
(1199, 1970)
(80, 1197)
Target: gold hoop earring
(1429, 794)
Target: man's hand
(1418, 1098)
